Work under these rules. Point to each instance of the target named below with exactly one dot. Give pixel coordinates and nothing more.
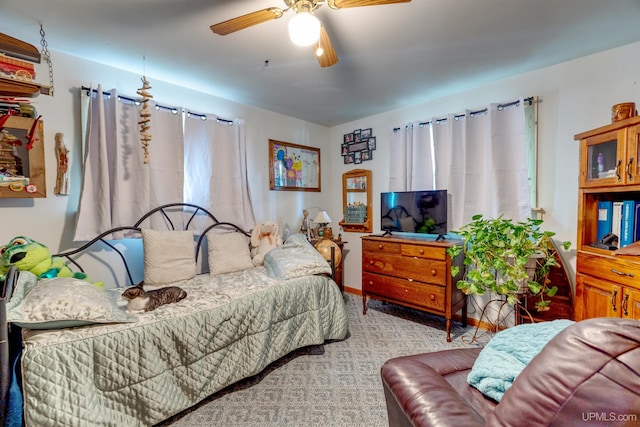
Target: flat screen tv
(423, 212)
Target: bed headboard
(172, 216)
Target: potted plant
(507, 258)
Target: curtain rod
(528, 100)
(500, 107)
(174, 110)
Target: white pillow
(169, 256)
(62, 302)
(228, 252)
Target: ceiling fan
(304, 28)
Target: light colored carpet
(335, 384)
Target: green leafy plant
(507, 258)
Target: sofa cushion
(424, 390)
(589, 369)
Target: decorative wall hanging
(145, 118)
(293, 167)
(62, 177)
(358, 146)
(22, 169)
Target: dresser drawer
(423, 251)
(404, 267)
(378, 246)
(612, 268)
(419, 294)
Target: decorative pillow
(295, 258)
(228, 252)
(169, 256)
(62, 302)
(508, 353)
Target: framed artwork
(358, 146)
(293, 167)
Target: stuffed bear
(28, 255)
(264, 237)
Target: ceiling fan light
(304, 29)
(319, 51)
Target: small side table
(337, 272)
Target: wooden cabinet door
(632, 168)
(600, 298)
(631, 304)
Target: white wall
(576, 96)
(51, 220)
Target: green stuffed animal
(28, 255)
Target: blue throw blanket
(507, 354)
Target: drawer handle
(370, 282)
(625, 300)
(433, 272)
(621, 273)
(432, 297)
(371, 262)
(613, 300)
(421, 251)
(380, 246)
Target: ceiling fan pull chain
(47, 56)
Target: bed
(142, 369)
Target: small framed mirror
(22, 171)
(356, 201)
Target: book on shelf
(616, 220)
(636, 224)
(627, 225)
(605, 214)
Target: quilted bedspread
(229, 327)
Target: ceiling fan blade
(328, 56)
(245, 21)
(342, 4)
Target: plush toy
(28, 255)
(264, 237)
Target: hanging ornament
(47, 57)
(145, 118)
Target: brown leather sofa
(589, 374)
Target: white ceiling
(389, 56)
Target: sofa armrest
(423, 396)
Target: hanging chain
(47, 56)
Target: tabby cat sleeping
(141, 300)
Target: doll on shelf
(307, 226)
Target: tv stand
(413, 272)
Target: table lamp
(322, 219)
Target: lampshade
(304, 29)
(322, 218)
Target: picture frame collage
(358, 146)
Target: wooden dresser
(413, 272)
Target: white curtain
(215, 151)
(118, 188)
(411, 158)
(480, 159)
